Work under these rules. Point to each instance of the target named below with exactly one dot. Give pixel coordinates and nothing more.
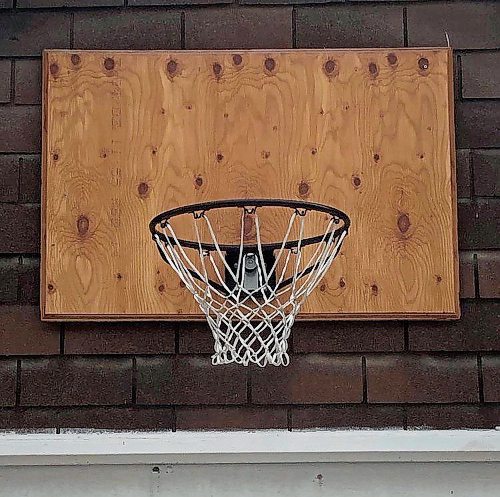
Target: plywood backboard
(128, 135)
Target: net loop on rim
(250, 293)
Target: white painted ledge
(249, 447)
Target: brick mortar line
(472, 187)
(480, 381)
(364, 379)
(475, 275)
(62, 336)
(174, 418)
(134, 381)
(282, 407)
(128, 355)
(183, 30)
(12, 81)
(34, 154)
(406, 336)
(405, 26)
(459, 81)
(289, 419)
(478, 100)
(18, 382)
(72, 31)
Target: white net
(252, 299)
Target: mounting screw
(423, 64)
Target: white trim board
(274, 446)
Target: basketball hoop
(251, 291)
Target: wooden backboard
(128, 135)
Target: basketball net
(251, 324)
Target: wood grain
(130, 134)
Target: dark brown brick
(356, 416)
(491, 378)
(481, 74)
(28, 87)
(8, 372)
(231, 418)
(463, 174)
(29, 280)
(189, 380)
(457, 77)
(488, 264)
(19, 229)
(93, 418)
(479, 224)
(28, 33)
(19, 280)
(71, 381)
(476, 330)
(239, 27)
(467, 286)
(9, 178)
(22, 332)
(119, 338)
(116, 418)
(469, 24)
(176, 2)
(287, 2)
(195, 338)
(344, 336)
(21, 419)
(451, 417)
(9, 274)
(477, 123)
(5, 81)
(20, 129)
(128, 29)
(422, 378)
(29, 178)
(486, 164)
(357, 26)
(20, 178)
(37, 4)
(309, 379)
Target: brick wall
(158, 375)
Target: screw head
(423, 64)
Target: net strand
(251, 325)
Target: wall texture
(159, 376)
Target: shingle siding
(159, 376)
